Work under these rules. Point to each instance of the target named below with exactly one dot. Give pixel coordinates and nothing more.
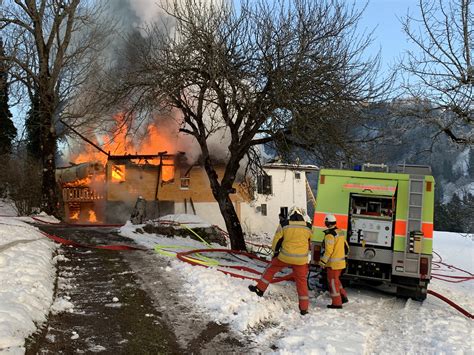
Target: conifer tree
(7, 128)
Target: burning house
(92, 192)
(101, 187)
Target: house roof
(300, 167)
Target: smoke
(132, 17)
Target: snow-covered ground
(27, 274)
(370, 323)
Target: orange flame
(118, 173)
(120, 141)
(92, 216)
(74, 215)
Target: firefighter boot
(333, 306)
(303, 312)
(344, 299)
(255, 289)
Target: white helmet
(330, 218)
(297, 210)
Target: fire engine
(387, 219)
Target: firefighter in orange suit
(334, 260)
(290, 249)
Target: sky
(382, 15)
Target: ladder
(414, 235)
(310, 193)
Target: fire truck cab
(387, 219)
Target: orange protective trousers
(300, 273)
(335, 286)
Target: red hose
(78, 224)
(183, 257)
(76, 244)
(451, 303)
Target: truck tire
(417, 293)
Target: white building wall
(286, 192)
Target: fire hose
(209, 262)
(76, 244)
(451, 303)
(62, 224)
(438, 264)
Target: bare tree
(441, 72)
(49, 45)
(289, 72)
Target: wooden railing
(80, 194)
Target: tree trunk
(236, 235)
(49, 200)
(221, 194)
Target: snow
(7, 208)
(191, 219)
(372, 322)
(462, 162)
(26, 279)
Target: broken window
(118, 173)
(297, 175)
(264, 184)
(167, 171)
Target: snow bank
(455, 249)
(26, 279)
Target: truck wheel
(417, 293)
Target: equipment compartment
(371, 221)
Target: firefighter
(334, 260)
(290, 249)
(139, 212)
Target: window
(297, 175)
(185, 183)
(263, 209)
(284, 212)
(185, 179)
(118, 173)
(264, 184)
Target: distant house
(284, 186)
(170, 186)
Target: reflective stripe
(336, 259)
(265, 281)
(296, 226)
(303, 298)
(329, 241)
(293, 255)
(333, 289)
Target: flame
(92, 216)
(74, 215)
(79, 183)
(167, 170)
(158, 138)
(118, 173)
